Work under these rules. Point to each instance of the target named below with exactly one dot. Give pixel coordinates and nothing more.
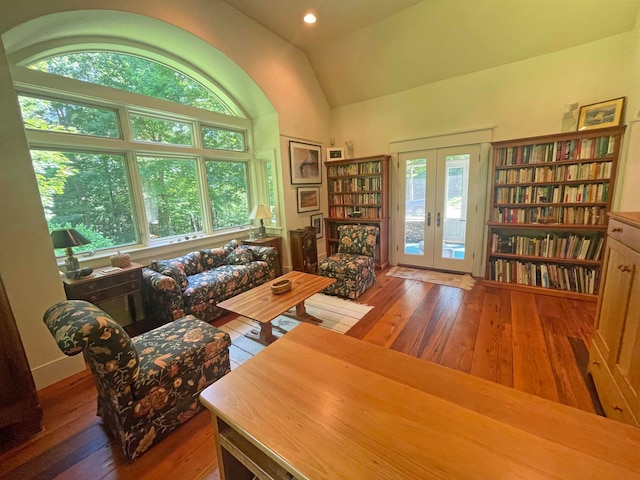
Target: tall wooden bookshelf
(549, 199)
(358, 193)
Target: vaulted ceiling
(363, 49)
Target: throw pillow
(174, 270)
(212, 258)
(240, 256)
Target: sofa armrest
(268, 255)
(162, 297)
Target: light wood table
(319, 405)
(261, 305)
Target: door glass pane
(455, 206)
(170, 192)
(414, 208)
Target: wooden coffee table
(261, 305)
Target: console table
(319, 405)
(105, 284)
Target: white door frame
(480, 136)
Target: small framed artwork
(335, 153)
(308, 199)
(306, 160)
(316, 222)
(601, 115)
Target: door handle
(438, 219)
(428, 219)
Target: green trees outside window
(170, 194)
(228, 193)
(88, 191)
(96, 158)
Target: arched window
(144, 154)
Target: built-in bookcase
(358, 193)
(549, 199)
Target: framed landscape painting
(308, 199)
(306, 163)
(335, 153)
(601, 115)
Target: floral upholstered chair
(353, 266)
(147, 385)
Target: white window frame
(40, 84)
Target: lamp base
(71, 263)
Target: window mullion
(140, 214)
(205, 200)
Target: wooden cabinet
(549, 200)
(275, 242)
(304, 249)
(105, 284)
(358, 193)
(20, 411)
(614, 357)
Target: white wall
(27, 266)
(521, 99)
(281, 72)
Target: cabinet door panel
(629, 358)
(614, 298)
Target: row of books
(583, 193)
(348, 212)
(578, 279)
(556, 173)
(557, 151)
(356, 184)
(367, 168)
(552, 245)
(355, 198)
(555, 214)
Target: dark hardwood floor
(534, 343)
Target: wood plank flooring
(534, 343)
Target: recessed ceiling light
(309, 18)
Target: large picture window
(185, 161)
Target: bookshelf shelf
(359, 186)
(549, 201)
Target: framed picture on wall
(601, 115)
(306, 162)
(308, 199)
(317, 223)
(335, 153)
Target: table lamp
(68, 238)
(260, 212)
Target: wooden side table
(304, 249)
(104, 285)
(275, 242)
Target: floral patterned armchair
(196, 282)
(147, 385)
(353, 266)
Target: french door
(436, 200)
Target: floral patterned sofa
(195, 283)
(147, 385)
(353, 266)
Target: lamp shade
(67, 238)
(259, 212)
